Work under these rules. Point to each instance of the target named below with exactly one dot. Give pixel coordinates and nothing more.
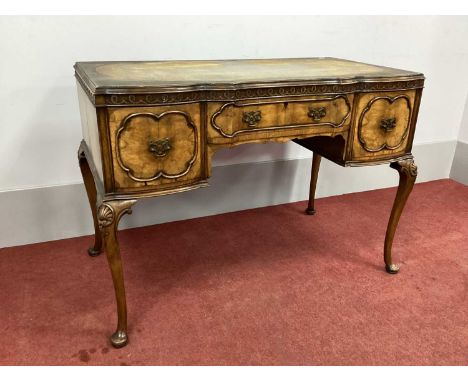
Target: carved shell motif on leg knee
(105, 215)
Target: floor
(269, 286)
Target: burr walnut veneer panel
(383, 124)
(156, 146)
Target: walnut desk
(151, 129)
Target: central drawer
(242, 119)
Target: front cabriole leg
(408, 172)
(109, 214)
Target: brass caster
(119, 339)
(310, 211)
(392, 268)
(93, 252)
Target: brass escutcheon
(160, 147)
(252, 117)
(388, 124)
(317, 113)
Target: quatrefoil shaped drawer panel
(383, 124)
(154, 146)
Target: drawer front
(237, 119)
(155, 146)
(383, 124)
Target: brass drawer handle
(388, 124)
(160, 147)
(252, 117)
(317, 113)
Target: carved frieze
(262, 92)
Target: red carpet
(269, 286)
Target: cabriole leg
(91, 191)
(109, 214)
(408, 172)
(313, 183)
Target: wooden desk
(151, 129)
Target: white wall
(39, 122)
(459, 170)
(463, 133)
(40, 182)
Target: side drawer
(155, 147)
(242, 120)
(383, 125)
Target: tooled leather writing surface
(144, 74)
